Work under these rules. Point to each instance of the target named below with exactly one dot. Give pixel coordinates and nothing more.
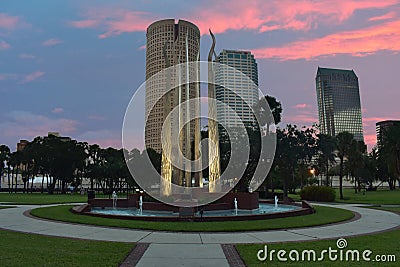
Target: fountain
(236, 206)
(114, 198)
(250, 208)
(141, 205)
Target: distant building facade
(227, 79)
(22, 144)
(383, 126)
(339, 106)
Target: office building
(339, 106)
(181, 42)
(245, 87)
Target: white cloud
(32, 76)
(52, 42)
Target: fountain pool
(264, 208)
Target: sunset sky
(72, 66)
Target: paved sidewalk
(201, 249)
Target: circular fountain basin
(264, 211)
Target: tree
(391, 153)
(15, 162)
(92, 163)
(356, 161)
(267, 118)
(4, 158)
(326, 153)
(344, 140)
(286, 155)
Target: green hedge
(318, 193)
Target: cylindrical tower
(159, 33)
(169, 44)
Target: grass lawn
(19, 249)
(323, 215)
(381, 196)
(40, 199)
(380, 244)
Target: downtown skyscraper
(228, 79)
(170, 48)
(338, 98)
(181, 43)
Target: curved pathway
(206, 245)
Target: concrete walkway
(166, 247)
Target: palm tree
(93, 163)
(267, 118)
(344, 140)
(15, 162)
(4, 155)
(356, 161)
(326, 146)
(4, 158)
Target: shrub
(318, 193)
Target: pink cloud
(301, 106)
(386, 16)
(8, 22)
(225, 15)
(52, 42)
(376, 119)
(370, 140)
(142, 47)
(371, 121)
(32, 76)
(278, 15)
(4, 45)
(358, 43)
(57, 110)
(26, 125)
(114, 21)
(104, 138)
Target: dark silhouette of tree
(326, 153)
(344, 141)
(267, 118)
(356, 162)
(4, 158)
(390, 153)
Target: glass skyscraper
(339, 106)
(228, 78)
